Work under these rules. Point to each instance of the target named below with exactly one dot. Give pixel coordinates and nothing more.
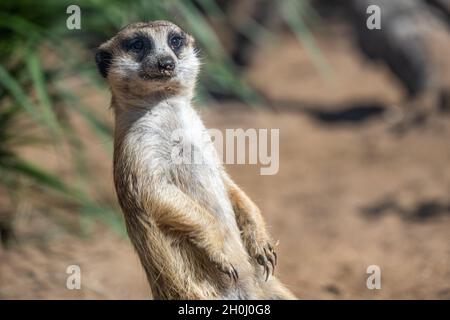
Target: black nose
(166, 63)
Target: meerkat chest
(171, 135)
(192, 142)
(182, 146)
(172, 140)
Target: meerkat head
(149, 60)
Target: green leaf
(40, 85)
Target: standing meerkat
(197, 234)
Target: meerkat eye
(176, 42)
(137, 45)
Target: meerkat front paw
(229, 270)
(261, 249)
(221, 262)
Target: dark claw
(264, 260)
(261, 260)
(270, 258)
(273, 253)
(235, 274)
(272, 263)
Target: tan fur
(191, 225)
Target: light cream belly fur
(200, 179)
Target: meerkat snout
(166, 64)
(159, 68)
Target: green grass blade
(18, 93)
(40, 85)
(34, 173)
(292, 14)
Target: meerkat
(197, 234)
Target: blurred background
(364, 121)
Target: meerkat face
(145, 59)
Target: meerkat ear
(103, 59)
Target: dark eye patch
(139, 45)
(176, 42)
(136, 45)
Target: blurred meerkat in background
(402, 44)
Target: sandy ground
(349, 193)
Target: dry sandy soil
(349, 192)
